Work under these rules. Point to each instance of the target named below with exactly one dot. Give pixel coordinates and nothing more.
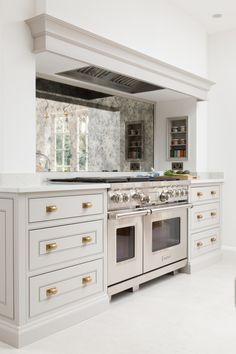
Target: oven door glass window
(125, 243)
(165, 233)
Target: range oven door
(165, 237)
(125, 242)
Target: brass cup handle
(86, 239)
(213, 239)
(200, 216)
(199, 244)
(87, 205)
(213, 192)
(213, 213)
(51, 208)
(51, 292)
(51, 246)
(199, 194)
(87, 280)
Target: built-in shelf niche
(177, 138)
(134, 141)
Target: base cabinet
(204, 226)
(52, 264)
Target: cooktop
(112, 179)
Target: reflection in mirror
(106, 133)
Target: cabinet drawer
(204, 242)
(52, 290)
(42, 209)
(199, 194)
(205, 215)
(54, 245)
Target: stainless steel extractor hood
(106, 78)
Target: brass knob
(51, 208)
(86, 239)
(213, 213)
(51, 246)
(199, 194)
(200, 216)
(87, 205)
(213, 192)
(199, 244)
(51, 291)
(213, 239)
(87, 280)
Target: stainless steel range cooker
(147, 231)
(147, 228)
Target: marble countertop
(207, 180)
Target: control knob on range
(136, 195)
(125, 197)
(164, 196)
(177, 193)
(147, 199)
(116, 198)
(182, 193)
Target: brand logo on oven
(164, 258)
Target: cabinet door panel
(6, 258)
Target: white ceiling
(202, 11)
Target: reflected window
(62, 145)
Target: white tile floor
(181, 314)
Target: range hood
(105, 78)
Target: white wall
(154, 27)
(17, 73)
(167, 109)
(222, 123)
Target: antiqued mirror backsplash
(106, 133)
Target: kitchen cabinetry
(59, 275)
(177, 138)
(204, 225)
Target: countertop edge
(53, 188)
(207, 181)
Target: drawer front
(55, 289)
(205, 215)
(204, 242)
(199, 194)
(64, 243)
(43, 209)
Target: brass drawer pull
(199, 194)
(213, 239)
(200, 216)
(213, 213)
(213, 192)
(51, 292)
(51, 246)
(199, 244)
(87, 205)
(86, 239)
(87, 280)
(51, 208)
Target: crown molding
(62, 38)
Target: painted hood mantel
(56, 36)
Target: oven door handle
(167, 208)
(116, 216)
